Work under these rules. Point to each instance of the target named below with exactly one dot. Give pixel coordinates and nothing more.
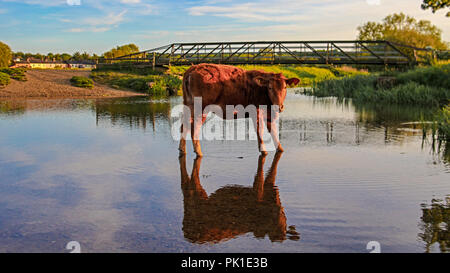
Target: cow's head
(276, 87)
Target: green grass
(426, 86)
(308, 75)
(83, 82)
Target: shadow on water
(234, 210)
(435, 222)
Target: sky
(96, 26)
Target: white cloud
(96, 24)
(109, 19)
(130, 1)
(373, 2)
(49, 3)
(89, 29)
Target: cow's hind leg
(185, 130)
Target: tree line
(78, 56)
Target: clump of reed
(82, 82)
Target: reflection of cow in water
(233, 210)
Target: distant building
(36, 63)
(82, 64)
(20, 64)
(47, 64)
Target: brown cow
(234, 210)
(224, 85)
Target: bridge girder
(276, 52)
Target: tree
(50, 56)
(121, 51)
(404, 29)
(435, 5)
(5, 55)
(76, 56)
(65, 57)
(85, 56)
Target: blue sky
(96, 26)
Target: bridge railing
(279, 52)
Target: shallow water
(106, 173)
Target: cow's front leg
(260, 131)
(272, 126)
(195, 133)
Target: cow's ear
(292, 81)
(260, 81)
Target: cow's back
(215, 84)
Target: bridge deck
(281, 52)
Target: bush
(15, 73)
(83, 82)
(4, 79)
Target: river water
(106, 173)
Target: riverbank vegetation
(153, 84)
(426, 86)
(169, 80)
(440, 126)
(443, 123)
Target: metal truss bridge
(279, 52)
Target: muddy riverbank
(56, 84)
